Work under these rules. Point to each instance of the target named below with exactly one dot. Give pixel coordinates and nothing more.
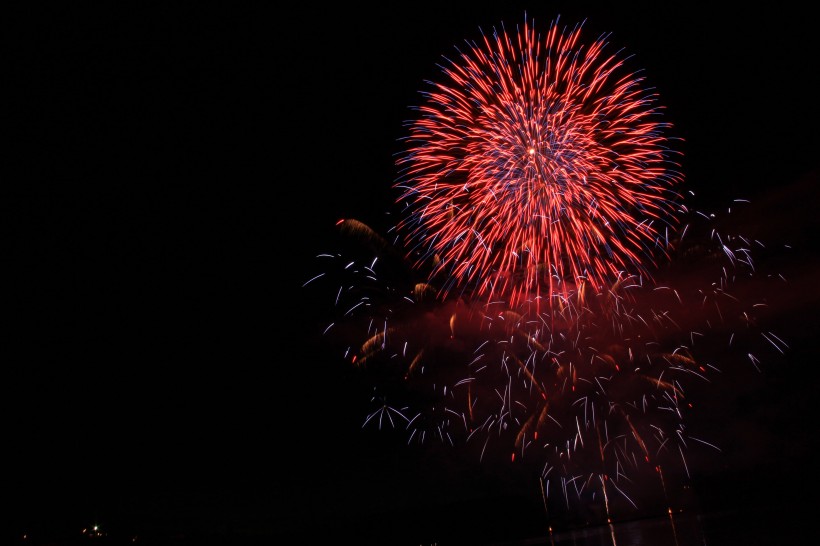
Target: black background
(169, 175)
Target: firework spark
(592, 393)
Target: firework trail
(521, 310)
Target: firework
(539, 174)
(593, 394)
(539, 162)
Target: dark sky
(171, 174)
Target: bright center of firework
(591, 200)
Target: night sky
(169, 177)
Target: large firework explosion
(541, 161)
(548, 299)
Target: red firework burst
(539, 164)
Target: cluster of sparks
(515, 314)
